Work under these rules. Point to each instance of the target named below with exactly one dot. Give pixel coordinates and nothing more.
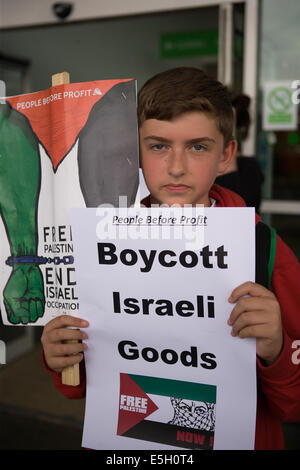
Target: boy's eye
(198, 147)
(157, 147)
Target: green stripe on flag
(176, 388)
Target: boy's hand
(57, 354)
(257, 316)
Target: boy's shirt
(278, 397)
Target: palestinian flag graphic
(170, 412)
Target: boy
(185, 130)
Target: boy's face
(181, 158)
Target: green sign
(189, 44)
(279, 111)
(280, 105)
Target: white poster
(163, 370)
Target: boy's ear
(228, 155)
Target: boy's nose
(176, 163)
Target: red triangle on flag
(58, 114)
(134, 404)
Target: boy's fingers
(64, 321)
(57, 354)
(249, 288)
(62, 341)
(65, 334)
(253, 331)
(250, 320)
(60, 363)
(249, 304)
(61, 349)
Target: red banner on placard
(58, 114)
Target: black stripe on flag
(169, 434)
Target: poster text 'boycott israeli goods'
(74, 145)
(163, 371)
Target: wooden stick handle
(60, 78)
(70, 375)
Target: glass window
(279, 150)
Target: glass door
(279, 119)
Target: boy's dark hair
(183, 89)
(241, 105)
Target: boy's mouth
(176, 188)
